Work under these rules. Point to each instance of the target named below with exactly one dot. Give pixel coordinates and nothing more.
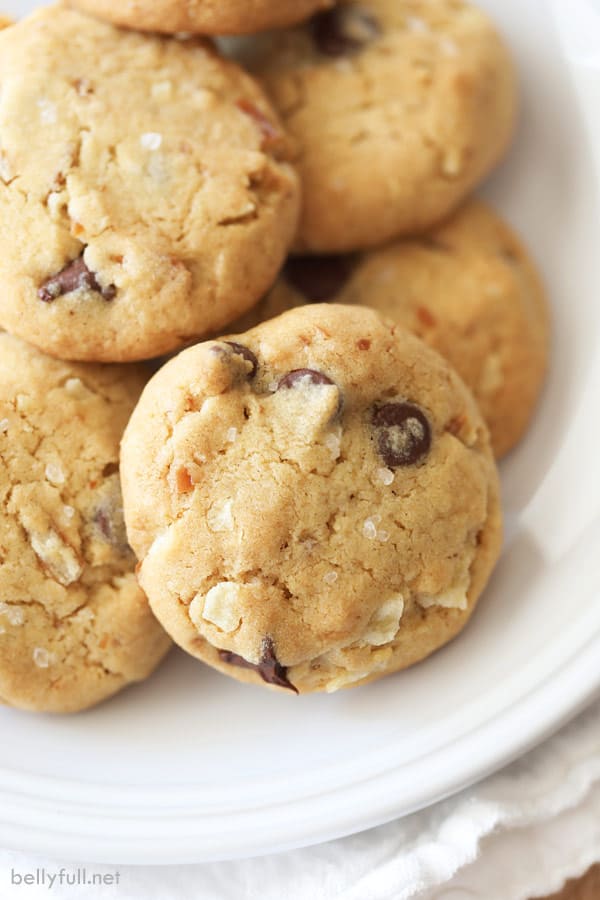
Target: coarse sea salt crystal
(369, 529)
(334, 445)
(449, 47)
(47, 111)
(14, 614)
(220, 517)
(386, 476)
(42, 657)
(417, 25)
(73, 385)
(151, 140)
(4, 423)
(54, 474)
(330, 577)
(232, 435)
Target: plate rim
(120, 835)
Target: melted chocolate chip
(74, 277)
(269, 669)
(241, 350)
(293, 378)
(233, 659)
(343, 30)
(403, 434)
(318, 278)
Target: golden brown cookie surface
(314, 502)
(74, 625)
(468, 288)
(398, 107)
(203, 16)
(140, 176)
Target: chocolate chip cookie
(75, 626)
(468, 288)
(314, 503)
(203, 16)
(139, 176)
(399, 108)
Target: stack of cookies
(306, 497)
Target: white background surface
(191, 766)
(517, 835)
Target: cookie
(75, 627)
(146, 199)
(399, 108)
(468, 288)
(203, 16)
(313, 503)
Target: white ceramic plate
(191, 766)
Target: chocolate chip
(403, 434)
(74, 277)
(233, 659)
(318, 278)
(293, 378)
(103, 522)
(269, 669)
(241, 350)
(105, 517)
(343, 30)
(110, 528)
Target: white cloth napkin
(516, 835)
